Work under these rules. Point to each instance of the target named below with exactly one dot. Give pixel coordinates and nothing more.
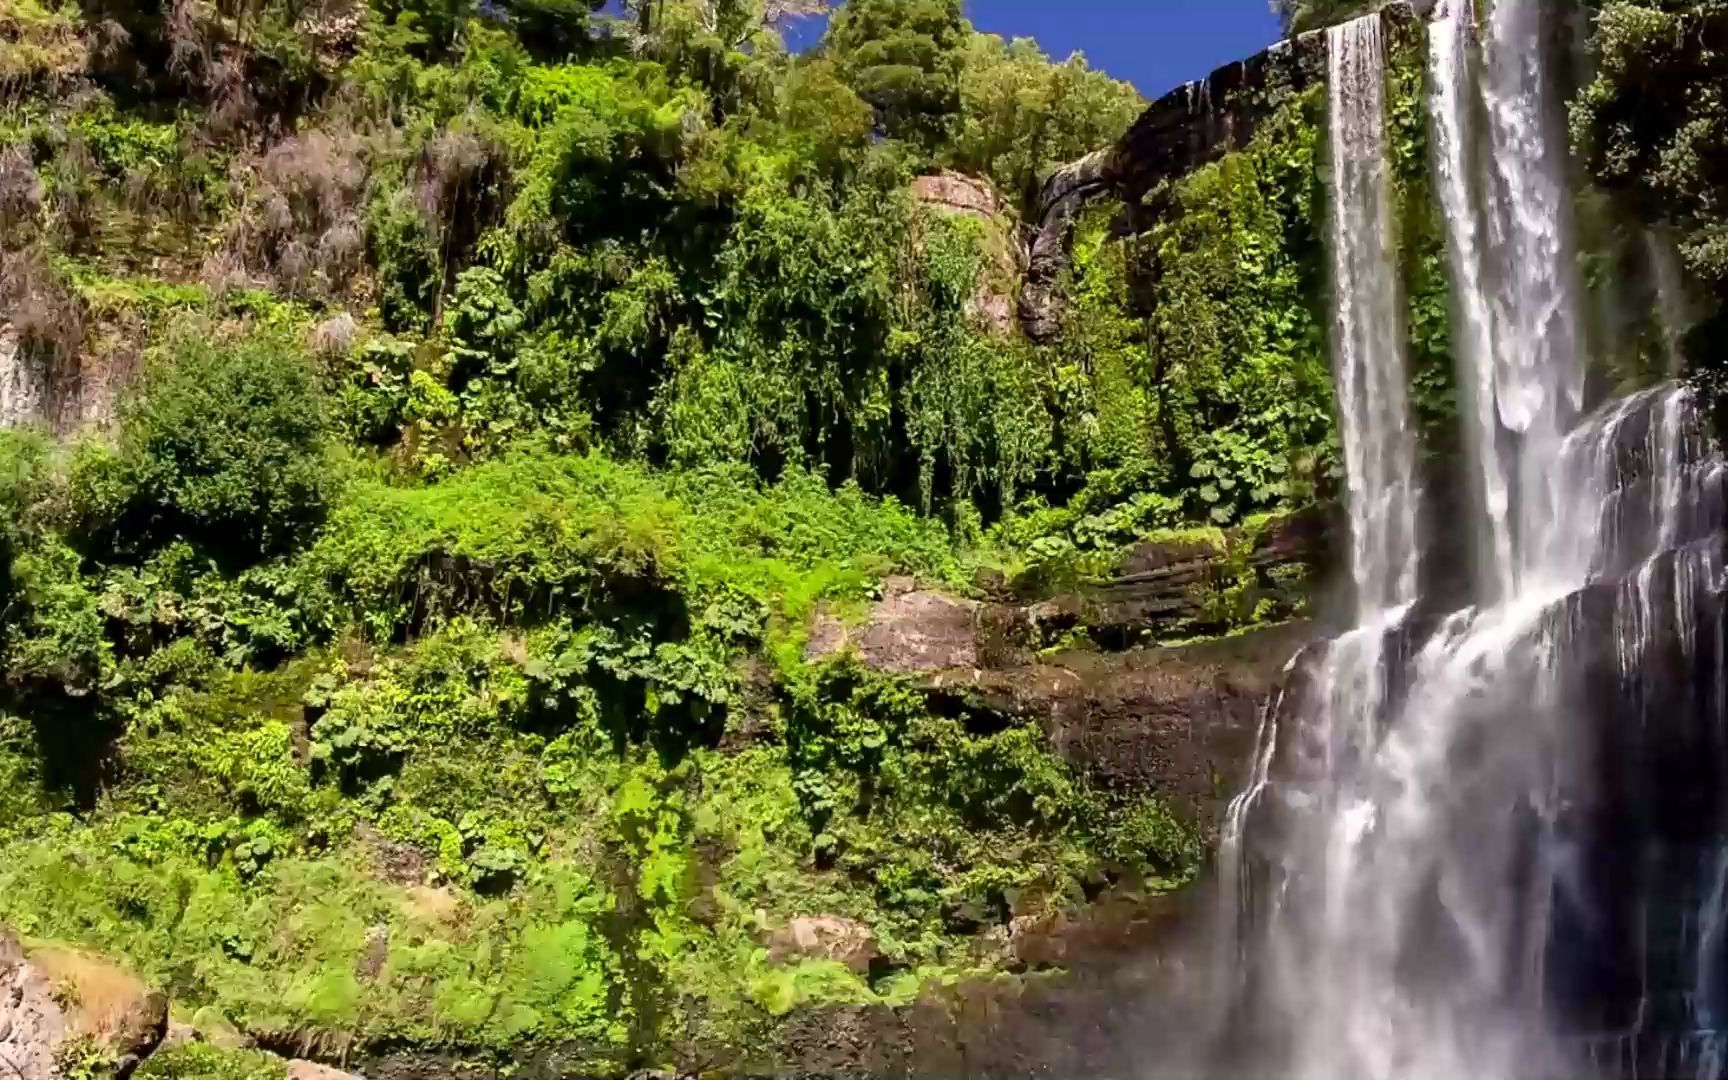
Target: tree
(1303, 15)
(552, 29)
(223, 442)
(1021, 115)
(904, 57)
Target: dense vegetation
(415, 657)
(452, 415)
(1652, 127)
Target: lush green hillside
(450, 418)
(431, 428)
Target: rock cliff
(1191, 126)
(1176, 719)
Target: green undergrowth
(528, 756)
(418, 658)
(482, 841)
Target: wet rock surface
(1177, 720)
(1069, 190)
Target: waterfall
(23, 395)
(1367, 332)
(1492, 843)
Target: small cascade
(23, 387)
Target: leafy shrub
(222, 441)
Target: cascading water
(22, 393)
(1367, 333)
(1489, 844)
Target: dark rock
(1191, 126)
(1178, 721)
(1069, 190)
(1199, 122)
(1188, 587)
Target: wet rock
(1199, 122)
(1189, 127)
(824, 937)
(1069, 190)
(54, 999)
(1180, 721)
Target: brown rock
(906, 633)
(1180, 721)
(949, 192)
(51, 995)
(824, 937)
(311, 1070)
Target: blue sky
(1155, 44)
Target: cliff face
(1176, 719)
(1191, 126)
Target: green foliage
(903, 57)
(1021, 115)
(1422, 246)
(420, 661)
(1651, 129)
(223, 442)
(1243, 387)
(1300, 16)
(203, 1061)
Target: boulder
(311, 1070)
(824, 937)
(909, 631)
(56, 1001)
(950, 192)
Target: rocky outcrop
(1069, 190)
(65, 393)
(1178, 720)
(950, 192)
(58, 1005)
(909, 631)
(824, 937)
(1191, 126)
(1199, 122)
(1095, 1020)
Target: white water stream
(1456, 857)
